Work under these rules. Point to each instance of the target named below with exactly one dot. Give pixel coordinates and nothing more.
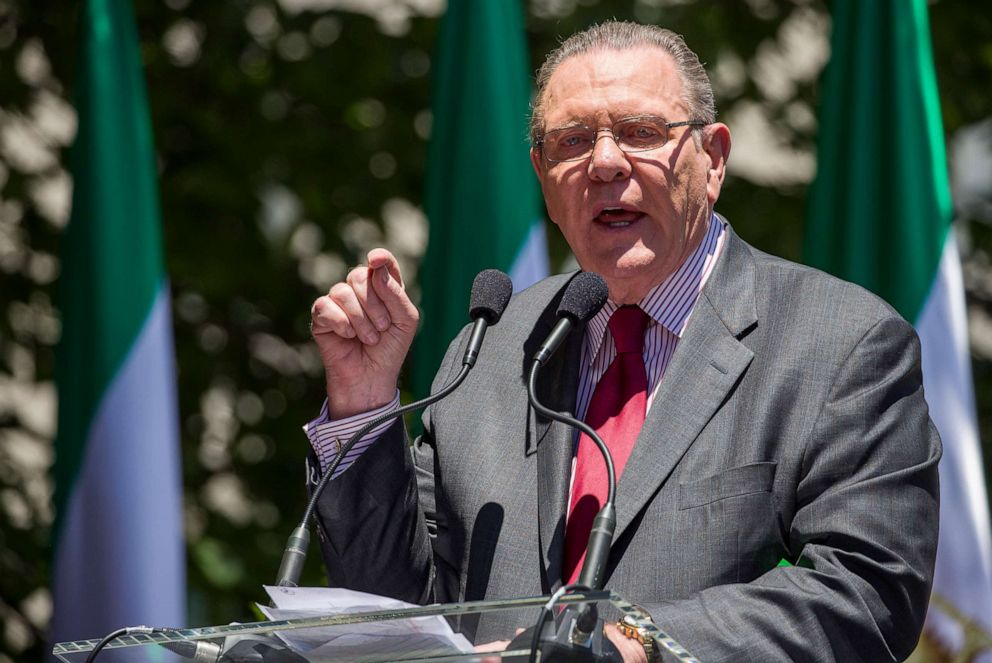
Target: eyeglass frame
(539, 142)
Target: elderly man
(777, 464)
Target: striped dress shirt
(668, 305)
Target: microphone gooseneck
(491, 292)
(583, 298)
(582, 426)
(585, 295)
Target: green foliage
(284, 141)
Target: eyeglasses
(632, 134)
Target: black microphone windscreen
(491, 292)
(584, 296)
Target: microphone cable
(113, 635)
(201, 651)
(547, 611)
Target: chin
(628, 276)
(634, 264)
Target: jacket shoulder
(786, 284)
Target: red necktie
(616, 413)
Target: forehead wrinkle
(605, 85)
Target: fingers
(326, 317)
(387, 281)
(367, 303)
(495, 645)
(345, 297)
(489, 647)
(383, 258)
(341, 311)
(631, 651)
(367, 298)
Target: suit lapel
(707, 363)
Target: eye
(641, 133)
(569, 143)
(572, 138)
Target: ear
(536, 160)
(716, 145)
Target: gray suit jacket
(790, 424)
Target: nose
(607, 161)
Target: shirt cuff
(327, 437)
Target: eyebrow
(579, 123)
(570, 125)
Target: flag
(118, 543)
(880, 215)
(482, 199)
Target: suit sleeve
(865, 529)
(379, 521)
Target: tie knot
(627, 324)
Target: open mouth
(618, 217)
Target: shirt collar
(669, 303)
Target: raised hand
(363, 328)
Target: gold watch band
(632, 629)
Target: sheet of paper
(430, 635)
(330, 599)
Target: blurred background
(291, 136)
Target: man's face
(633, 218)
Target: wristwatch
(633, 629)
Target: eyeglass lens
(635, 134)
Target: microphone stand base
(556, 647)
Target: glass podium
(418, 633)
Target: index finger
(388, 284)
(382, 258)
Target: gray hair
(620, 35)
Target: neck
(633, 289)
(625, 291)
(626, 297)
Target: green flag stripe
(879, 208)
(481, 195)
(111, 250)
(880, 214)
(478, 156)
(931, 115)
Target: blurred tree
(291, 138)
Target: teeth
(616, 217)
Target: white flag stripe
(531, 263)
(964, 554)
(120, 557)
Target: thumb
(393, 295)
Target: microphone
(583, 298)
(491, 293)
